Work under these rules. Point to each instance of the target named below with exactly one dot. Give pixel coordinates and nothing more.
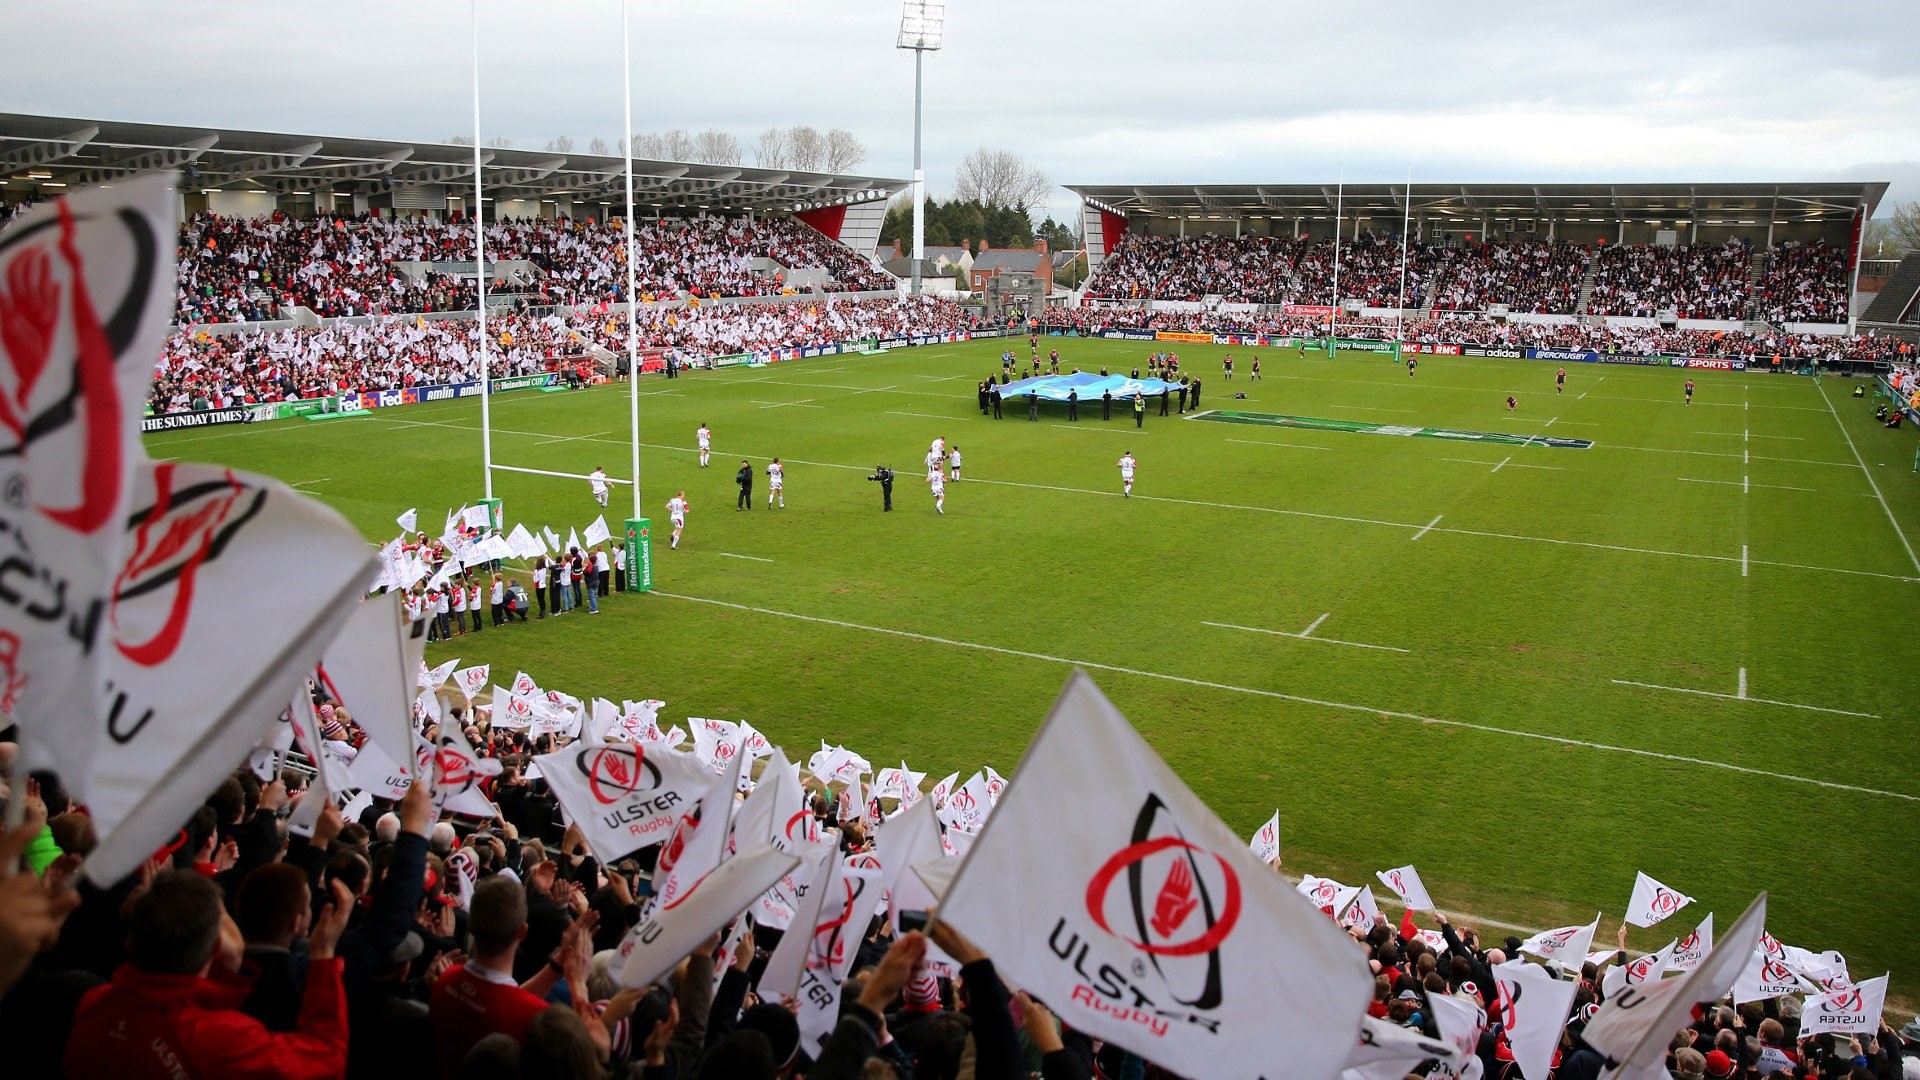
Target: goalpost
(637, 533)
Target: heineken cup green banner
(639, 555)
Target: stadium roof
(1563, 202)
(47, 151)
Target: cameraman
(885, 476)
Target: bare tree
(770, 150)
(597, 146)
(500, 142)
(716, 147)
(459, 140)
(560, 144)
(646, 144)
(1894, 235)
(844, 151)
(1000, 178)
(678, 145)
(806, 148)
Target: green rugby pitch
(1529, 671)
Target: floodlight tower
(921, 24)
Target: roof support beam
(43, 153)
(151, 161)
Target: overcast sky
(1209, 91)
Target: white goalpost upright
(639, 572)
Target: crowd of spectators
(405, 941)
(1476, 331)
(1698, 281)
(1535, 277)
(1804, 283)
(252, 269)
(199, 370)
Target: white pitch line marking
(1503, 463)
(1755, 700)
(753, 558)
(1746, 457)
(1429, 526)
(926, 415)
(1743, 560)
(1515, 465)
(803, 403)
(1596, 382)
(1314, 625)
(1744, 484)
(1891, 520)
(1269, 442)
(1303, 637)
(1297, 698)
(875, 390)
(572, 438)
(1743, 682)
(1549, 423)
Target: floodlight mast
(922, 23)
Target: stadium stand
(1695, 282)
(1531, 277)
(249, 270)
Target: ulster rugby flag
(369, 669)
(624, 798)
(1406, 884)
(1634, 1026)
(1853, 1011)
(671, 931)
(188, 670)
(1653, 902)
(1690, 950)
(1265, 844)
(1567, 945)
(1154, 928)
(86, 286)
(1531, 1007)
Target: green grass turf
(1517, 611)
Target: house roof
(1019, 262)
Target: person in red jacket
(162, 1017)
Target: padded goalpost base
(639, 541)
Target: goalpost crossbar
(562, 475)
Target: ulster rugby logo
(615, 773)
(185, 528)
(1172, 900)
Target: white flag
(524, 544)
(89, 286)
(475, 517)
(830, 949)
(597, 532)
(942, 789)
(511, 711)
(1387, 1051)
(573, 540)
(1265, 844)
(967, 808)
(472, 680)
(1328, 896)
(369, 667)
(457, 773)
(706, 848)
(197, 651)
(636, 720)
(1653, 902)
(375, 771)
(1198, 958)
(602, 716)
(409, 521)
(1567, 945)
(715, 742)
(1633, 1027)
(1364, 912)
(1532, 1006)
(1646, 969)
(818, 873)
(1761, 977)
(1694, 948)
(1460, 1020)
(1405, 883)
(753, 744)
(672, 930)
(432, 678)
(312, 804)
(912, 837)
(622, 797)
(1853, 1011)
(995, 784)
(523, 683)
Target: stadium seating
(252, 269)
(1806, 283)
(1694, 282)
(1533, 277)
